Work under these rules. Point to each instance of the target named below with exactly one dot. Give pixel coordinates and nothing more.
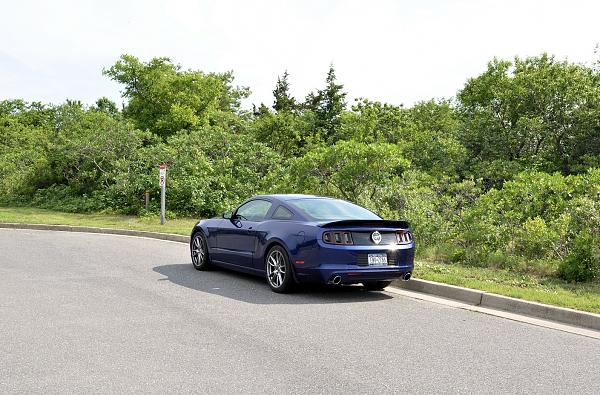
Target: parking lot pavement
(104, 313)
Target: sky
(399, 52)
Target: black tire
(278, 270)
(376, 285)
(199, 252)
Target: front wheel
(199, 251)
(376, 285)
(278, 270)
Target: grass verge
(547, 290)
(29, 215)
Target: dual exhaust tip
(338, 279)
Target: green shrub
(64, 198)
(209, 170)
(534, 217)
(535, 239)
(583, 263)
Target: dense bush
(583, 263)
(208, 170)
(507, 175)
(348, 169)
(535, 216)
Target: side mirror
(227, 214)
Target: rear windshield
(331, 209)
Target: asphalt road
(101, 313)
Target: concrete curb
(466, 295)
(89, 229)
(504, 303)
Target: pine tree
(327, 105)
(283, 100)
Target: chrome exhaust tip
(336, 280)
(406, 276)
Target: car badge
(376, 237)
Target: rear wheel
(376, 285)
(199, 251)
(278, 270)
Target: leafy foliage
(583, 263)
(349, 169)
(165, 99)
(508, 175)
(537, 112)
(284, 131)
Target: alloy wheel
(276, 268)
(198, 251)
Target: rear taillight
(337, 238)
(404, 237)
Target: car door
(236, 240)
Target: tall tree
(164, 99)
(535, 112)
(283, 100)
(327, 106)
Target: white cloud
(392, 51)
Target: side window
(255, 210)
(282, 213)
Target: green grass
(540, 289)
(28, 215)
(547, 290)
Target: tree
(210, 170)
(22, 152)
(327, 106)
(427, 132)
(164, 99)
(371, 121)
(535, 113)
(283, 100)
(283, 131)
(87, 145)
(348, 169)
(106, 106)
(260, 110)
(34, 114)
(430, 138)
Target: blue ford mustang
(293, 239)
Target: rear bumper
(326, 263)
(351, 275)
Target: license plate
(377, 259)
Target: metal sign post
(162, 180)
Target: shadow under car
(253, 289)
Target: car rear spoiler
(366, 223)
